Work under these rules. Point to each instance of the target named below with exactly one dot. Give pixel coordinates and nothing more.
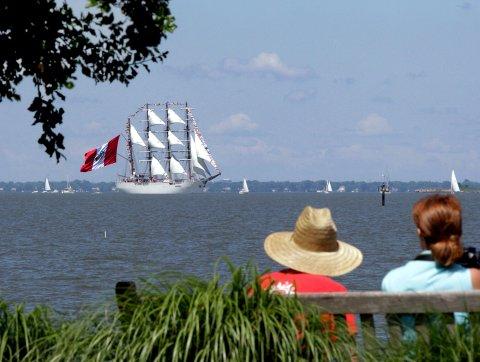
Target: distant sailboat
(244, 189)
(69, 189)
(385, 187)
(47, 187)
(329, 187)
(454, 183)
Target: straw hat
(313, 246)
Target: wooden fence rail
(394, 303)
(368, 304)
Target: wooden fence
(393, 306)
(368, 304)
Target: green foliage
(193, 320)
(44, 40)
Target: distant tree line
(254, 186)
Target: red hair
(439, 219)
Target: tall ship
(172, 157)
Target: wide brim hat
(313, 246)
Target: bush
(192, 320)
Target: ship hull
(161, 188)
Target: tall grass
(192, 320)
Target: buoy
(105, 234)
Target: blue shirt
(421, 275)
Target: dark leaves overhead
(47, 42)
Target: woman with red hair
(438, 219)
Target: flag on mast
(100, 157)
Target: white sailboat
(69, 189)
(171, 158)
(454, 183)
(385, 186)
(47, 187)
(244, 189)
(329, 187)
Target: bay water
(68, 250)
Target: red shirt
(289, 281)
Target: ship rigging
(171, 157)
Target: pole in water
(105, 234)
(383, 189)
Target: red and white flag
(100, 157)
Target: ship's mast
(169, 151)
(130, 149)
(189, 151)
(149, 151)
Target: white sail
(454, 183)
(135, 137)
(47, 185)
(204, 165)
(153, 141)
(201, 151)
(176, 167)
(173, 139)
(244, 189)
(245, 186)
(153, 119)
(157, 168)
(173, 117)
(197, 167)
(329, 186)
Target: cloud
(436, 145)
(236, 123)
(201, 71)
(373, 124)
(439, 111)
(466, 5)
(345, 81)
(416, 75)
(382, 100)
(300, 95)
(94, 126)
(249, 146)
(266, 64)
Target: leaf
(62, 97)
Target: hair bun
(447, 251)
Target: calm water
(53, 250)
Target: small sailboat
(47, 187)
(244, 189)
(69, 189)
(384, 188)
(329, 187)
(454, 183)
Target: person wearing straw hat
(312, 255)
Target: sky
(291, 90)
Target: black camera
(470, 258)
